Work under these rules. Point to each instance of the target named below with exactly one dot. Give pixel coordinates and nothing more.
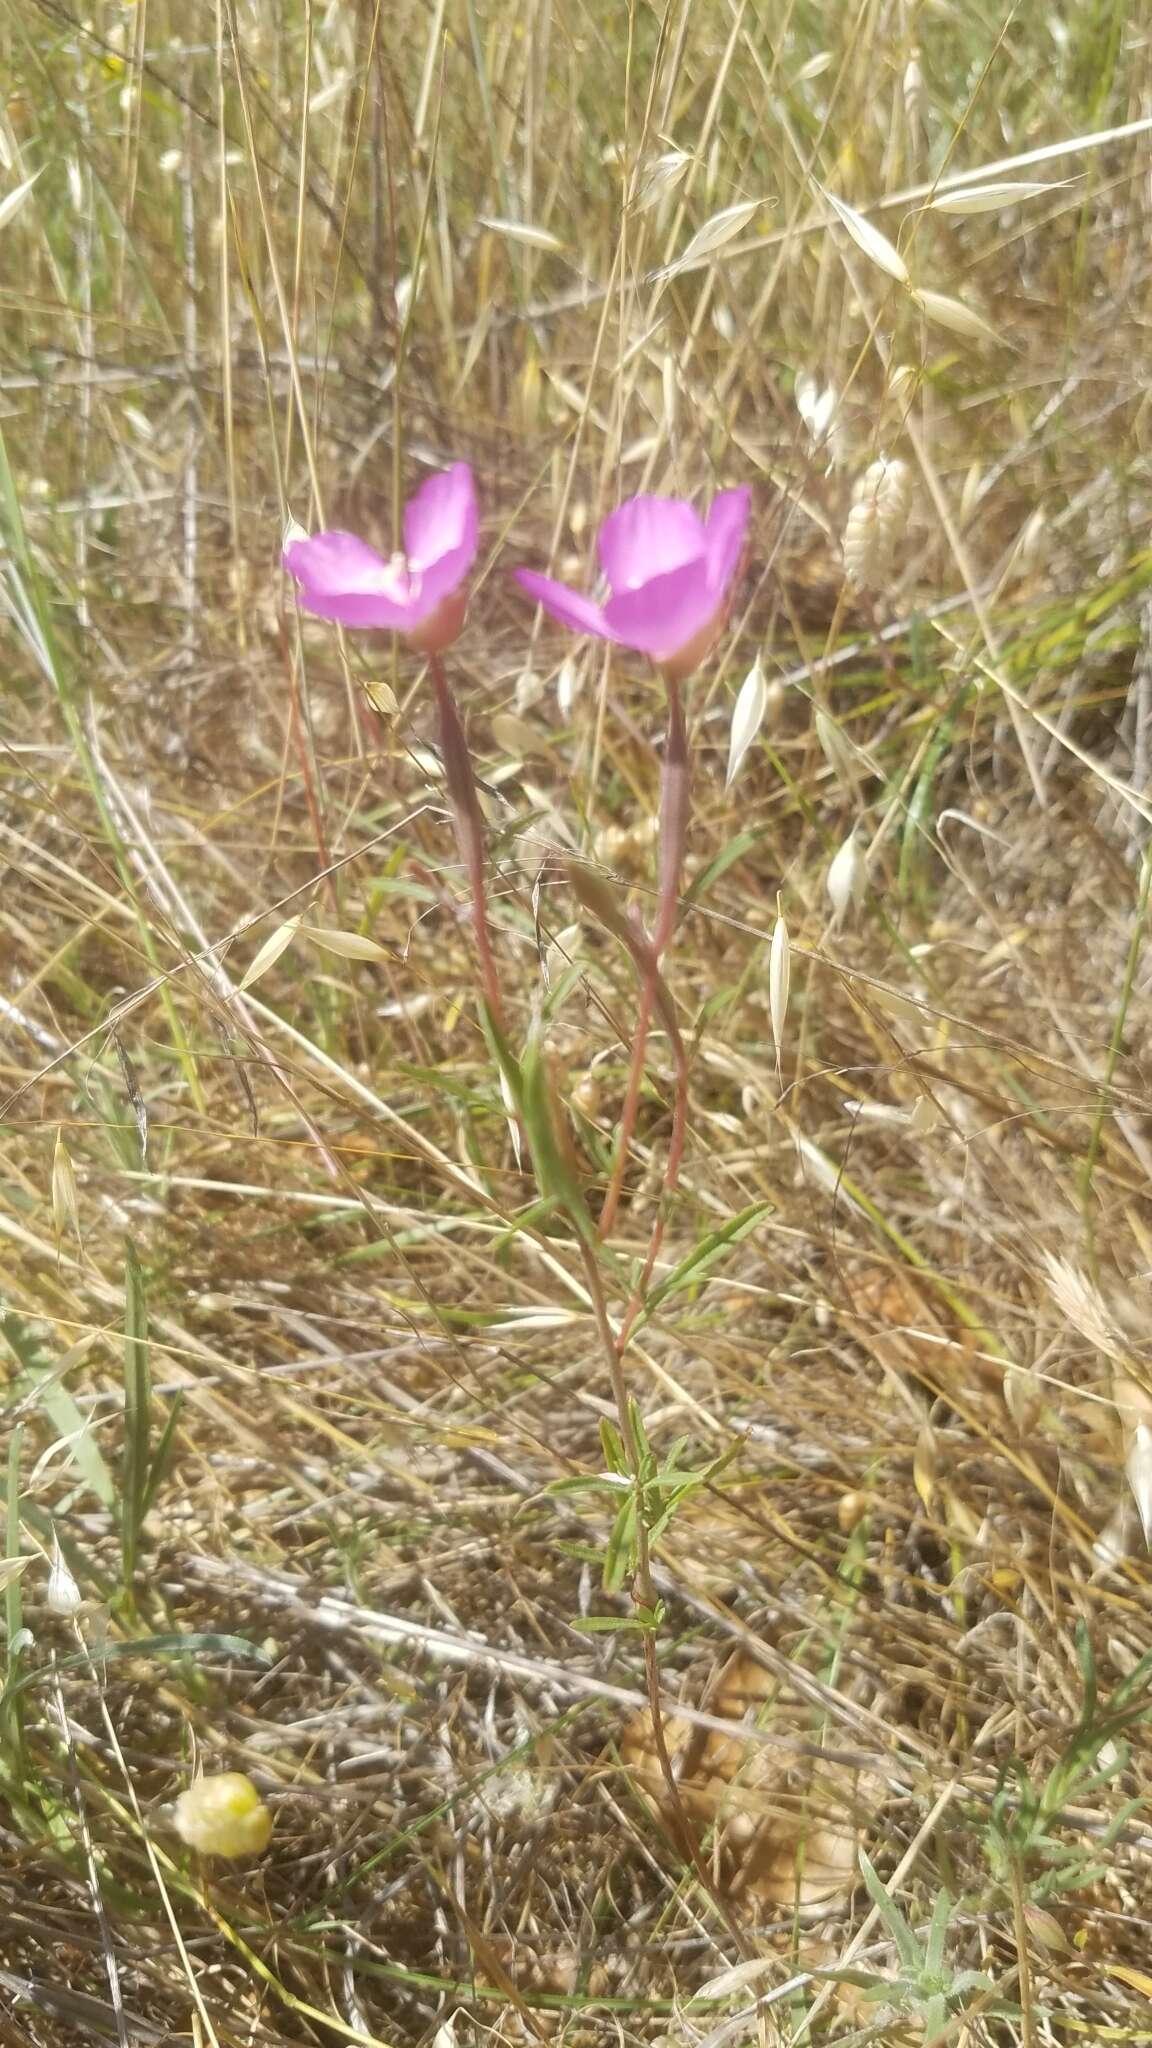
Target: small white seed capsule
(846, 878)
(223, 1816)
(64, 1595)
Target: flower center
(398, 581)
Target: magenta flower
(417, 593)
(668, 573)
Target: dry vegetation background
(284, 1365)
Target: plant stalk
(468, 822)
(675, 799)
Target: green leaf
(592, 1482)
(707, 1254)
(613, 1448)
(620, 1554)
(725, 859)
(41, 1380)
(529, 1085)
(198, 1644)
(917, 827)
(907, 1947)
(605, 1624)
(937, 1935)
(163, 1453)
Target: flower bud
(442, 627)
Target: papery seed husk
(747, 718)
(779, 982)
(846, 877)
(64, 1595)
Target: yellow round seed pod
(851, 1508)
(223, 1816)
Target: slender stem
(671, 1180)
(644, 1592)
(1020, 1932)
(675, 798)
(631, 1099)
(468, 821)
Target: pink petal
(647, 537)
(566, 605)
(725, 528)
(334, 564)
(355, 609)
(342, 578)
(443, 577)
(666, 612)
(440, 521)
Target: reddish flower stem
(675, 800)
(671, 1180)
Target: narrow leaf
(604, 1624)
(195, 1644)
(710, 1249)
(137, 1413)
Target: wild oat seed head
(1082, 1305)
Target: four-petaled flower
(418, 593)
(668, 573)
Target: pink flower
(668, 573)
(418, 593)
